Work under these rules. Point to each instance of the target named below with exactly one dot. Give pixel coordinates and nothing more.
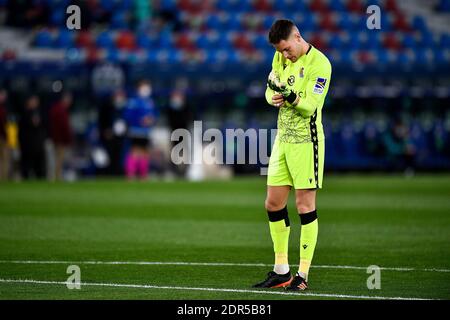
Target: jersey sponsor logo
(291, 80)
(320, 85)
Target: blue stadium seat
(335, 41)
(309, 23)
(213, 22)
(443, 6)
(336, 5)
(43, 39)
(289, 6)
(124, 5)
(233, 22)
(243, 6)
(373, 40)
(64, 39)
(224, 41)
(268, 20)
(119, 20)
(353, 42)
(164, 40)
(143, 40)
(344, 21)
(359, 23)
(382, 57)
(105, 40)
(419, 24)
(403, 58)
(107, 5)
(169, 5)
(409, 41)
(427, 40)
(439, 56)
(151, 55)
(58, 18)
(444, 41)
(261, 41)
(234, 6)
(347, 56)
(113, 55)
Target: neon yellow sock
(308, 240)
(279, 231)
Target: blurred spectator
(111, 130)
(61, 132)
(140, 115)
(143, 13)
(4, 160)
(32, 140)
(179, 116)
(400, 150)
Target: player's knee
(304, 207)
(273, 205)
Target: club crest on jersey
(301, 74)
(291, 80)
(320, 85)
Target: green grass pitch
(210, 240)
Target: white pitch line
(222, 264)
(142, 286)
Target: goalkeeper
(297, 86)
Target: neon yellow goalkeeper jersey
(309, 77)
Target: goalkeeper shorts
(296, 164)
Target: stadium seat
(119, 20)
(327, 22)
(262, 5)
(125, 40)
(105, 40)
(43, 39)
(261, 41)
(355, 6)
(344, 21)
(143, 40)
(335, 41)
(409, 41)
(337, 6)
(444, 41)
(391, 41)
(419, 24)
(443, 6)
(319, 6)
(64, 39)
(185, 41)
(58, 18)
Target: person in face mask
(140, 114)
(179, 116)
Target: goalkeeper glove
(274, 83)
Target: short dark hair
(280, 30)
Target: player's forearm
(306, 107)
(269, 94)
